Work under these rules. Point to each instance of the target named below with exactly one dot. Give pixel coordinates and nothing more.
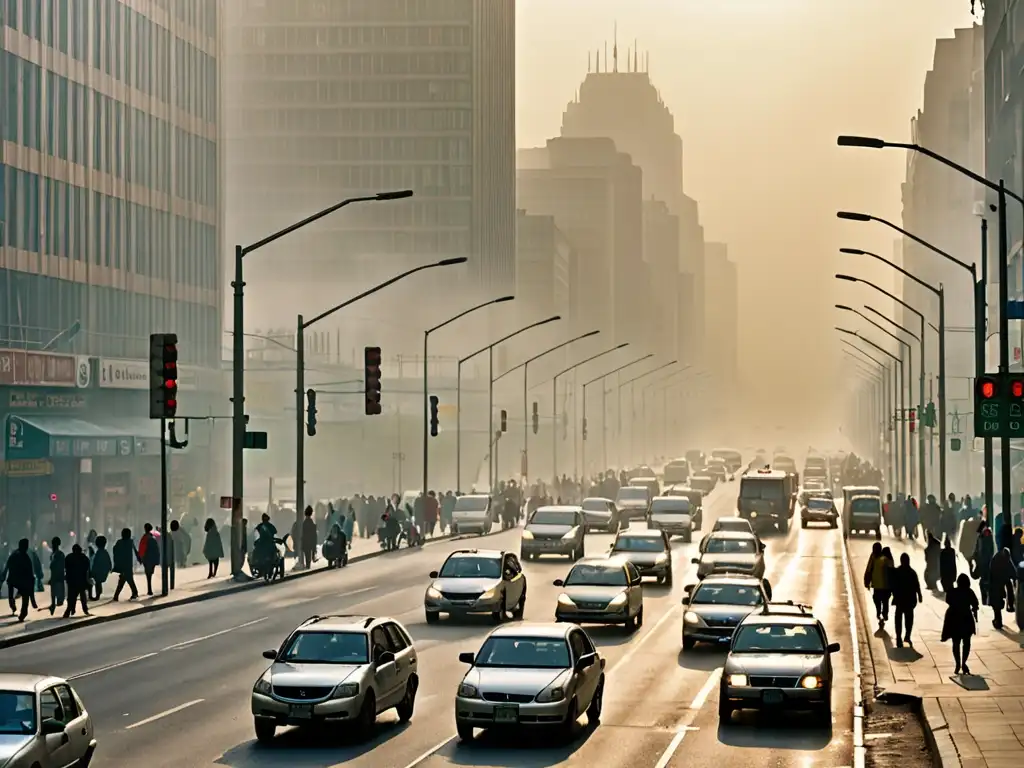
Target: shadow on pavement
(605, 636)
(309, 748)
(703, 657)
(970, 682)
(508, 748)
(758, 730)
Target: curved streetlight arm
(860, 351)
(571, 368)
(861, 365)
(503, 339)
(894, 297)
(893, 323)
(462, 314)
(620, 368)
(856, 335)
(877, 325)
(656, 370)
(920, 241)
(897, 267)
(542, 354)
(385, 284)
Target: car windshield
(864, 506)
(818, 502)
(778, 638)
(471, 504)
(327, 648)
(17, 713)
(602, 575)
(632, 493)
(595, 505)
(639, 544)
(769, 490)
(677, 473)
(553, 517)
(471, 568)
(720, 546)
(526, 652)
(733, 525)
(726, 594)
(676, 506)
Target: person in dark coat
(20, 578)
(981, 561)
(213, 547)
(931, 561)
(76, 574)
(947, 566)
(125, 556)
(961, 621)
(308, 533)
(906, 594)
(101, 566)
(1002, 583)
(149, 555)
(57, 591)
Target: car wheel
(613, 526)
(465, 731)
(408, 703)
(433, 617)
(631, 624)
(725, 711)
(825, 713)
(803, 523)
(583, 549)
(367, 720)
(668, 578)
(688, 537)
(265, 730)
(499, 615)
(520, 610)
(571, 716)
(688, 643)
(833, 525)
(640, 618)
(596, 704)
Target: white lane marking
(80, 675)
(195, 640)
(167, 713)
(286, 602)
(695, 706)
(859, 752)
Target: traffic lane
(786, 739)
(220, 726)
(281, 604)
(649, 688)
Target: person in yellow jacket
(876, 578)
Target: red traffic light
(988, 388)
(171, 384)
(1017, 388)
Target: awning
(60, 437)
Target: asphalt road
(172, 688)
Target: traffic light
(584, 427)
(372, 360)
(536, 418)
(310, 412)
(1017, 389)
(929, 415)
(504, 421)
(988, 388)
(434, 423)
(913, 420)
(163, 375)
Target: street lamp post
(238, 363)
(554, 401)
(882, 398)
(630, 383)
(865, 425)
(604, 416)
(525, 366)
(426, 394)
(921, 354)
(667, 383)
(300, 372)
(941, 294)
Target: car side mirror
(272, 655)
(433, 574)
(558, 583)
(387, 657)
(51, 726)
(585, 662)
(467, 658)
(685, 600)
(695, 560)
(833, 647)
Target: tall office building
(722, 321)
(109, 230)
(331, 99)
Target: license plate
(301, 711)
(506, 714)
(772, 697)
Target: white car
(43, 722)
(673, 515)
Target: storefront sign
(116, 373)
(66, 447)
(19, 367)
(26, 468)
(30, 400)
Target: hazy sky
(760, 89)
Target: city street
(174, 686)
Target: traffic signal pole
(1004, 352)
(980, 329)
(300, 422)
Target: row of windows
(360, 90)
(427, 180)
(48, 216)
(256, 121)
(115, 323)
(131, 48)
(392, 36)
(359, 64)
(127, 143)
(358, 10)
(356, 149)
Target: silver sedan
(44, 722)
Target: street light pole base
(241, 577)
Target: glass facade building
(109, 175)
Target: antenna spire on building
(615, 49)
(635, 68)
(589, 62)
(605, 55)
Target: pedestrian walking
(100, 567)
(57, 586)
(932, 550)
(21, 578)
(906, 594)
(125, 555)
(149, 555)
(947, 566)
(175, 542)
(961, 621)
(876, 578)
(213, 547)
(76, 575)
(1002, 583)
(981, 559)
(308, 542)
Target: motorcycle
(269, 564)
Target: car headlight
(691, 617)
(618, 601)
(346, 691)
(488, 594)
(263, 686)
(570, 535)
(811, 682)
(564, 599)
(753, 515)
(662, 558)
(433, 593)
(740, 681)
(527, 534)
(467, 691)
(551, 694)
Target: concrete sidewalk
(974, 721)
(191, 585)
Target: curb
(61, 629)
(936, 733)
(859, 709)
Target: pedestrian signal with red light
(163, 375)
(913, 420)
(987, 388)
(1017, 388)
